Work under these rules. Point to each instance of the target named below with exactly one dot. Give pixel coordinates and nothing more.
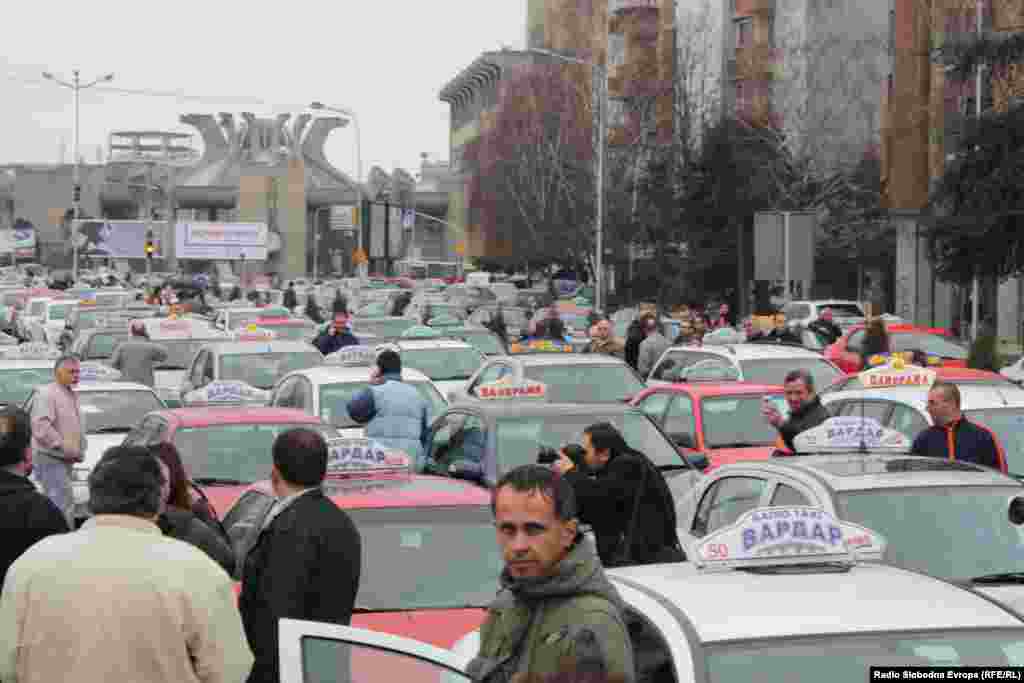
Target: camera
(575, 452)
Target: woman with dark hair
(876, 341)
(184, 519)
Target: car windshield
(774, 370)
(385, 327)
(519, 438)
(59, 311)
(929, 343)
(226, 451)
(442, 364)
(953, 532)
(115, 410)
(395, 539)
(1008, 425)
(334, 400)
(262, 370)
(102, 345)
(180, 352)
(847, 658)
(586, 383)
(17, 383)
(736, 421)
(483, 341)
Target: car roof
(857, 472)
(972, 397)
(206, 416)
(329, 374)
(409, 344)
(749, 351)
(706, 389)
(867, 598)
(276, 346)
(113, 386)
(562, 358)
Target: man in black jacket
(336, 336)
(290, 299)
(825, 327)
(305, 562)
(805, 409)
(623, 480)
(26, 516)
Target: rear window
(102, 345)
(586, 383)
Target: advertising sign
(221, 241)
(117, 239)
(344, 217)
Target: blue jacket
(395, 415)
(964, 441)
(328, 343)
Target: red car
(720, 420)
(430, 562)
(222, 448)
(845, 352)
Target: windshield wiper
(110, 430)
(1007, 577)
(219, 481)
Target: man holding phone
(805, 408)
(337, 335)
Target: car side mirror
(698, 460)
(683, 440)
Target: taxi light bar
(850, 433)
(227, 392)
(352, 356)
(894, 371)
(92, 371)
(354, 456)
(778, 536)
(505, 390)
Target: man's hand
(563, 464)
(771, 415)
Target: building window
(744, 32)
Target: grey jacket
(651, 349)
(136, 358)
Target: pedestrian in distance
(952, 436)
(336, 336)
(603, 341)
(623, 497)
(393, 411)
(26, 516)
(651, 348)
(58, 433)
(725, 318)
(557, 616)
(825, 327)
(179, 518)
(117, 600)
(805, 408)
(137, 357)
(306, 559)
(634, 337)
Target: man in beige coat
(118, 601)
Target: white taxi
(792, 594)
(22, 369)
(896, 395)
(182, 337)
(50, 321)
(447, 362)
(958, 521)
(242, 370)
(756, 363)
(327, 389)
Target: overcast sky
(385, 60)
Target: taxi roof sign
(778, 536)
(92, 371)
(508, 390)
(897, 373)
(226, 391)
(347, 456)
(254, 333)
(848, 433)
(352, 356)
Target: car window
(444, 364)
(16, 384)
(675, 360)
(787, 495)
(1008, 426)
(195, 377)
(774, 370)
(736, 421)
(102, 345)
(304, 395)
(679, 417)
(929, 343)
(492, 373)
(442, 432)
(875, 410)
(262, 370)
(586, 383)
(115, 411)
(654, 405)
(725, 501)
(284, 396)
(796, 311)
(907, 421)
(326, 659)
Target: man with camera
(337, 335)
(623, 497)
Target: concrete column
(1009, 309)
(913, 285)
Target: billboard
(221, 241)
(344, 217)
(118, 239)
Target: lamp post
(600, 74)
(316, 239)
(344, 111)
(76, 87)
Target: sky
(385, 60)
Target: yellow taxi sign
(897, 373)
(460, 248)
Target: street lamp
(316, 239)
(76, 87)
(601, 78)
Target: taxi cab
(759, 363)
(719, 420)
(222, 446)
(512, 424)
(50, 322)
(793, 593)
(568, 377)
(181, 337)
(22, 369)
(447, 362)
(326, 390)
(257, 365)
(953, 520)
(845, 352)
(896, 395)
(414, 530)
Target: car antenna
(863, 448)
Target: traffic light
(76, 194)
(150, 249)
